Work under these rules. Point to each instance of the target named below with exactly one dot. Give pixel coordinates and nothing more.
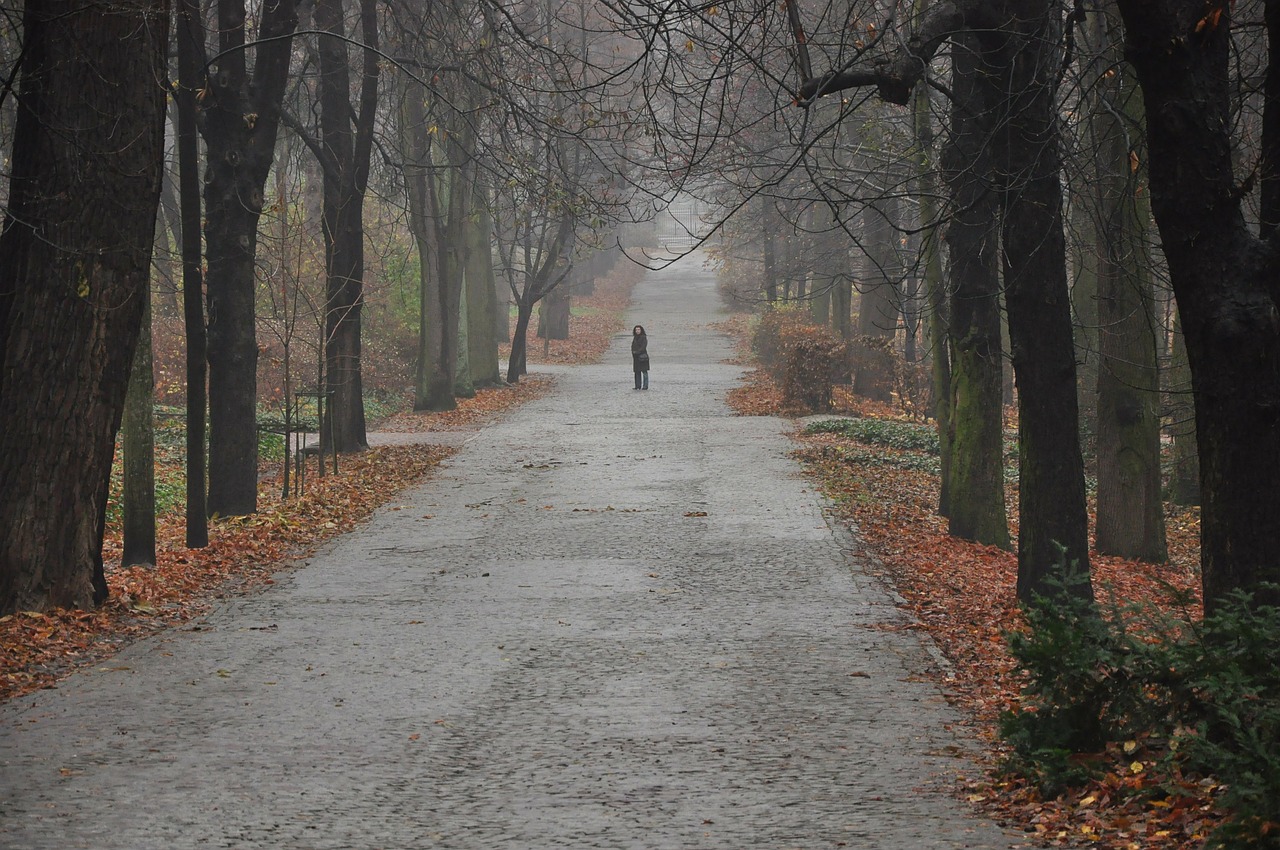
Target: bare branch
(895, 75)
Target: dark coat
(640, 353)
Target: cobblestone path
(617, 619)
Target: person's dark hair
(637, 330)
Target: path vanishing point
(616, 619)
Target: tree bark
(482, 304)
(75, 258)
(462, 386)
(1053, 539)
(878, 303)
(842, 307)
(937, 315)
(1184, 485)
(138, 446)
(189, 80)
(240, 117)
(345, 152)
(1224, 278)
(1130, 507)
(976, 483)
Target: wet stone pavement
(617, 619)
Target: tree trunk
(770, 282)
(553, 322)
(516, 365)
(436, 337)
(138, 447)
(842, 307)
(820, 301)
(878, 304)
(481, 294)
(1130, 509)
(501, 313)
(75, 258)
(977, 357)
(937, 317)
(1084, 306)
(1053, 539)
(1184, 485)
(189, 82)
(240, 116)
(1224, 278)
(462, 386)
(345, 161)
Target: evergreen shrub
(1207, 693)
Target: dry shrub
(913, 388)
(872, 360)
(803, 358)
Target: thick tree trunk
(138, 447)
(501, 313)
(1225, 280)
(437, 336)
(345, 161)
(1053, 539)
(937, 316)
(481, 296)
(240, 116)
(75, 258)
(345, 424)
(233, 356)
(1130, 508)
(977, 356)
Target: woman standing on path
(640, 356)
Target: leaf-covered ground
(963, 595)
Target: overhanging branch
(896, 74)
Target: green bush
(270, 446)
(1211, 690)
(1228, 694)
